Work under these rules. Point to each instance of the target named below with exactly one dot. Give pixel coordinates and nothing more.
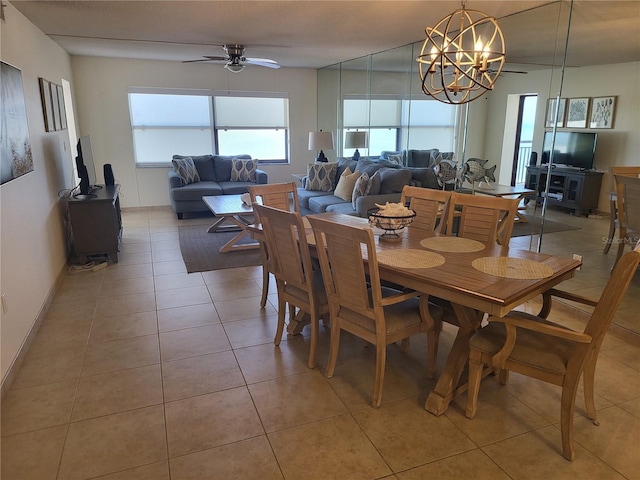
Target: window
(395, 123)
(165, 123)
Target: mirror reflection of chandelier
(462, 56)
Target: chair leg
(475, 375)
(588, 378)
(612, 225)
(315, 327)
(381, 358)
(265, 275)
(405, 344)
(282, 310)
(622, 242)
(504, 376)
(567, 408)
(333, 348)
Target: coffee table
(504, 191)
(229, 208)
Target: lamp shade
(355, 140)
(320, 140)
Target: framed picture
(603, 110)
(56, 107)
(63, 110)
(577, 112)
(16, 157)
(47, 107)
(551, 112)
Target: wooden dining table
(455, 269)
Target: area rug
(200, 250)
(522, 229)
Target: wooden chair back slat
(340, 250)
(483, 218)
(286, 245)
(431, 206)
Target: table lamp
(321, 141)
(355, 140)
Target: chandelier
(462, 56)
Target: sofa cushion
(346, 182)
(343, 164)
(204, 165)
(425, 177)
(320, 204)
(421, 158)
(392, 180)
(321, 176)
(195, 191)
(344, 208)
(186, 169)
(234, 188)
(360, 188)
(367, 166)
(243, 170)
(222, 165)
(305, 195)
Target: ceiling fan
(235, 61)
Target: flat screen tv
(85, 166)
(571, 149)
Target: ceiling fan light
(234, 67)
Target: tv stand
(571, 188)
(96, 223)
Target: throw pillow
(397, 159)
(243, 170)
(360, 189)
(374, 183)
(347, 180)
(186, 169)
(321, 177)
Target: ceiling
(314, 34)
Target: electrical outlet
(578, 258)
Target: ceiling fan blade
(262, 62)
(207, 58)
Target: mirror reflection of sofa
(197, 176)
(342, 190)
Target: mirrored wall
(505, 126)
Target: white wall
(103, 112)
(32, 247)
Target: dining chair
(358, 303)
(613, 201)
(628, 200)
(299, 284)
(431, 207)
(535, 347)
(277, 195)
(483, 218)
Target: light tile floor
(137, 373)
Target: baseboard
(24, 348)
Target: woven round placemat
(516, 268)
(452, 244)
(410, 258)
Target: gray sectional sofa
(214, 172)
(393, 178)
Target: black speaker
(533, 159)
(108, 175)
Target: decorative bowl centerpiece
(392, 218)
